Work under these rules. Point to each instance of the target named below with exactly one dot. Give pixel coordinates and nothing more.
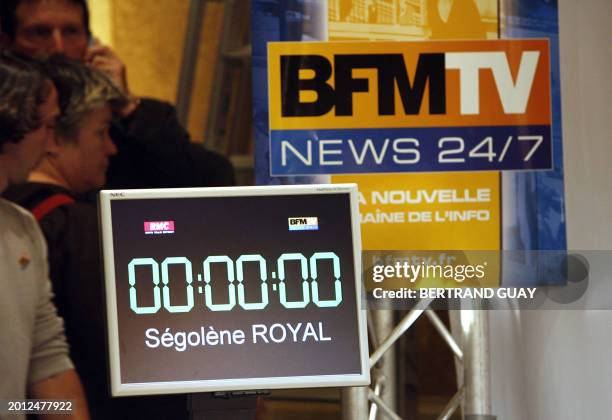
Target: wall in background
(101, 20)
(555, 365)
(149, 37)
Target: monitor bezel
(152, 388)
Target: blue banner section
(271, 21)
(539, 205)
(307, 152)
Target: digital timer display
(235, 274)
(216, 289)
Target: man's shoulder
(12, 214)
(40, 199)
(56, 209)
(18, 228)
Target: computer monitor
(225, 289)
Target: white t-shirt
(32, 342)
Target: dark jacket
(154, 151)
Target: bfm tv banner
(452, 135)
(365, 107)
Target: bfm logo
(447, 80)
(430, 74)
(303, 223)
(159, 227)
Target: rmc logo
(158, 227)
(498, 80)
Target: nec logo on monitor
(159, 227)
(303, 223)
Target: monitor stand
(238, 405)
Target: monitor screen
(242, 288)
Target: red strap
(51, 203)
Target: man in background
(34, 358)
(154, 150)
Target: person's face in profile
(83, 161)
(27, 154)
(47, 27)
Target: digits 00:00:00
(310, 291)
